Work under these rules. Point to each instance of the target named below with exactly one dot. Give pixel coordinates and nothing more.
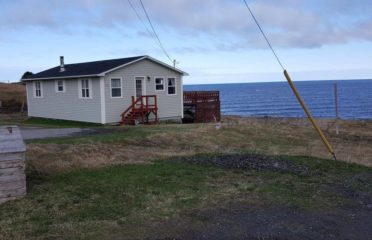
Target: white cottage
(126, 90)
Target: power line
(156, 35)
(140, 18)
(263, 34)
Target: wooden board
(12, 164)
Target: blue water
(277, 100)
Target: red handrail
(142, 106)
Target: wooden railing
(204, 106)
(141, 103)
(142, 106)
(193, 97)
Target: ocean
(276, 99)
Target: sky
(215, 41)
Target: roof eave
(167, 65)
(150, 58)
(65, 77)
(113, 69)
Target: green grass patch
(61, 205)
(94, 203)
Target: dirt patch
(251, 162)
(241, 221)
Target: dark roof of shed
(83, 69)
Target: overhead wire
(263, 34)
(155, 33)
(140, 18)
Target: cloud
(225, 23)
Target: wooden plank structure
(12, 164)
(140, 111)
(203, 106)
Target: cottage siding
(66, 105)
(170, 106)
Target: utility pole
(174, 63)
(336, 107)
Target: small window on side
(38, 90)
(115, 87)
(172, 86)
(159, 84)
(85, 88)
(60, 86)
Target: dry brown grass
(267, 136)
(12, 92)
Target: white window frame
(63, 85)
(175, 86)
(164, 78)
(41, 89)
(121, 87)
(80, 88)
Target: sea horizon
(276, 99)
(279, 81)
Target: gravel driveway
(40, 132)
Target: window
(116, 87)
(171, 86)
(85, 88)
(38, 89)
(159, 84)
(60, 86)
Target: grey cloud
(226, 23)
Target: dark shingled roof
(83, 69)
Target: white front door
(139, 85)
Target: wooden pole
(304, 107)
(336, 107)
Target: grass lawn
(154, 182)
(138, 201)
(143, 144)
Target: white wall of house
(169, 106)
(67, 105)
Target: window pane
(159, 87)
(171, 90)
(159, 80)
(116, 92)
(85, 83)
(115, 83)
(37, 89)
(83, 92)
(171, 86)
(171, 82)
(87, 92)
(60, 86)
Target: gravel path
(39, 132)
(282, 222)
(252, 162)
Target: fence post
(336, 107)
